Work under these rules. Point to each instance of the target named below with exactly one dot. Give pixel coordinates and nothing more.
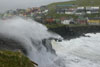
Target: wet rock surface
(69, 32)
(11, 44)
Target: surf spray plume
(31, 38)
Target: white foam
(31, 34)
(80, 52)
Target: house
(35, 10)
(65, 9)
(87, 10)
(49, 20)
(60, 11)
(65, 21)
(91, 10)
(44, 9)
(70, 11)
(57, 21)
(81, 20)
(93, 21)
(80, 11)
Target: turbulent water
(80, 52)
(33, 39)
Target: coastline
(70, 32)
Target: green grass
(54, 25)
(62, 25)
(54, 15)
(78, 2)
(52, 7)
(14, 59)
(61, 3)
(88, 2)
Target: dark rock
(69, 32)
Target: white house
(66, 21)
(70, 11)
(45, 11)
(91, 10)
(80, 11)
(88, 10)
(80, 7)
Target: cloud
(14, 4)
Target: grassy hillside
(88, 2)
(14, 59)
(52, 7)
(61, 3)
(78, 2)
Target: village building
(60, 11)
(91, 10)
(65, 9)
(80, 11)
(35, 10)
(81, 20)
(73, 9)
(44, 9)
(70, 11)
(93, 21)
(65, 20)
(57, 21)
(87, 10)
(49, 20)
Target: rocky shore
(69, 32)
(13, 54)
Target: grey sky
(14, 4)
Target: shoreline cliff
(69, 32)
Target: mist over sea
(80, 52)
(33, 39)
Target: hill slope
(14, 59)
(78, 2)
(52, 6)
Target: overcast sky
(14, 4)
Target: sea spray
(33, 39)
(31, 35)
(80, 52)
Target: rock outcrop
(69, 32)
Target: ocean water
(31, 35)
(80, 52)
